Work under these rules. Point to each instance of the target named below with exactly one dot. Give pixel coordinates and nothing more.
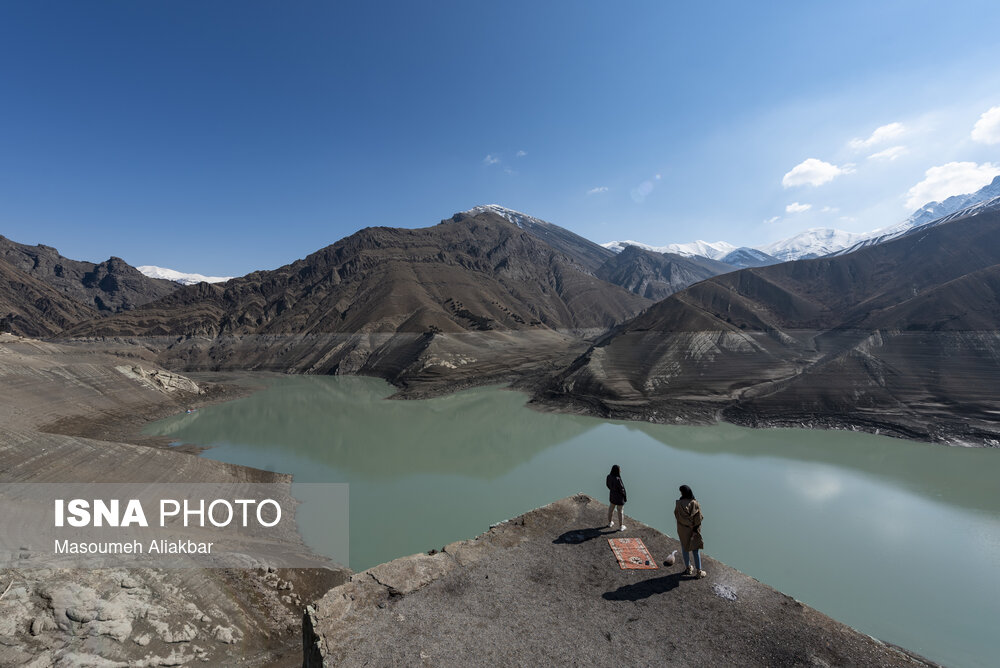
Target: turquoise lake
(898, 539)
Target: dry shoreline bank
(452, 363)
(901, 426)
(134, 616)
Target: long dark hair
(686, 492)
(615, 471)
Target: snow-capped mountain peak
(933, 212)
(522, 220)
(814, 242)
(700, 248)
(179, 276)
(747, 257)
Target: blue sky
(223, 137)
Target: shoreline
(129, 427)
(224, 386)
(693, 413)
(70, 414)
(938, 426)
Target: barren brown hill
(30, 307)
(645, 273)
(656, 276)
(583, 251)
(112, 285)
(903, 336)
(381, 294)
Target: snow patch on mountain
(179, 276)
(820, 241)
(522, 220)
(814, 242)
(744, 257)
(900, 231)
(933, 212)
(698, 248)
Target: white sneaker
(623, 527)
(610, 524)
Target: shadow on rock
(644, 589)
(582, 535)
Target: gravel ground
(545, 589)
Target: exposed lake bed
(865, 528)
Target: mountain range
(818, 241)
(379, 300)
(44, 292)
(900, 335)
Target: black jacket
(617, 487)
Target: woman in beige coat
(687, 512)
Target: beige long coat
(688, 515)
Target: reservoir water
(900, 540)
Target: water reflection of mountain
(961, 476)
(345, 423)
(174, 425)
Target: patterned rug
(632, 553)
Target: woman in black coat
(617, 497)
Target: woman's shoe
(689, 570)
(610, 524)
(623, 527)
(700, 574)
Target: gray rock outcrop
(545, 589)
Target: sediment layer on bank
(116, 616)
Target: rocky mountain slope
(583, 251)
(30, 307)
(649, 273)
(112, 285)
(657, 275)
(902, 336)
(381, 296)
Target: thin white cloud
(795, 207)
(987, 128)
(813, 172)
(491, 159)
(953, 178)
(829, 209)
(521, 154)
(890, 153)
(641, 191)
(598, 189)
(881, 134)
(772, 219)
